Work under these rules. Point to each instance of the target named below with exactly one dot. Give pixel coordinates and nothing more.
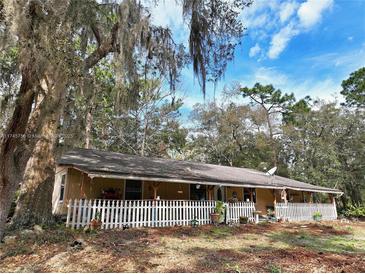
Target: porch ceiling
(116, 165)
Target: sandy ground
(294, 247)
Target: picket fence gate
(149, 213)
(305, 211)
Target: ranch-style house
(139, 191)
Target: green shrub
(317, 216)
(274, 268)
(355, 211)
(243, 220)
(220, 209)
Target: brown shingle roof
(103, 163)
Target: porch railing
(305, 211)
(148, 213)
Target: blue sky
(306, 47)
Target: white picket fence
(240, 209)
(147, 213)
(305, 211)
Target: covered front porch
(73, 184)
(142, 202)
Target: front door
(133, 190)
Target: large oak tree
(53, 38)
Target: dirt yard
(301, 247)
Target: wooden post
(284, 196)
(155, 186)
(82, 191)
(333, 201)
(311, 198)
(210, 192)
(274, 193)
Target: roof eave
(93, 174)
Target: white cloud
(279, 21)
(287, 9)
(268, 75)
(346, 61)
(280, 40)
(310, 12)
(261, 14)
(258, 21)
(169, 14)
(325, 88)
(254, 50)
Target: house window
(133, 190)
(249, 195)
(62, 187)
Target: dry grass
(326, 247)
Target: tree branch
(96, 33)
(105, 47)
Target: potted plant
(194, 222)
(96, 222)
(243, 220)
(218, 214)
(317, 216)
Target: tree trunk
(273, 144)
(89, 122)
(35, 198)
(143, 145)
(12, 162)
(36, 188)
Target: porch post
(82, 191)
(333, 201)
(155, 186)
(274, 193)
(284, 196)
(210, 193)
